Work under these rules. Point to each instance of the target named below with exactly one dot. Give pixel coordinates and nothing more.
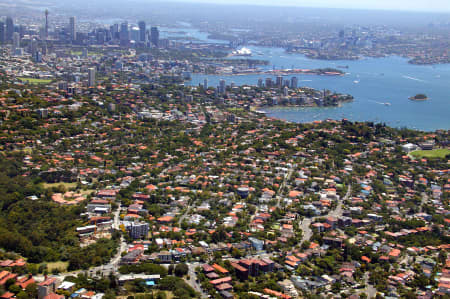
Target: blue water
(379, 80)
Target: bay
(372, 81)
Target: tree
(181, 269)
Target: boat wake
(412, 78)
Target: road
(106, 269)
(283, 184)
(306, 222)
(184, 215)
(370, 291)
(192, 279)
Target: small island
(419, 97)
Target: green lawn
(35, 81)
(437, 153)
(79, 53)
(61, 266)
(67, 185)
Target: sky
(413, 5)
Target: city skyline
(401, 5)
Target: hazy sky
(416, 5)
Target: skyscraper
(205, 83)
(16, 40)
(91, 77)
(72, 29)
(9, 29)
(279, 81)
(155, 36)
(294, 82)
(222, 86)
(46, 24)
(142, 31)
(2, 33)
(124, 34)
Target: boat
(356, 81)
(387, 104)
(242, 52)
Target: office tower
(155, 36)
(72, 29)
(260, 82)
(142, 32)
(2, 33)
(294, 82)
(91, 77)
(84, 53)
(268, 82)
(16, 40)
(135, 34)
(114, 31)
(286, 91)
(222, 86)
(279, 82)
(33, 47)
(22, 30)
(9, 29)
(124, 34)
(46, 24)
(205, 84)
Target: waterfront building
(279, 81)
(222, 86)
(294, 82)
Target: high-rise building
(2, 33)
(137, 230)
(205, 84)
(260, 82)
(16, 40)
(294, 82)
(124, 34)
(9, 29)
(142, 32)
(268, 82)
(155, 36)
(91, 77)
(279, 82)
(46, 24)
(222, 86)
(135, 34)
(114, 31)
(72, 29)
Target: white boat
(242, 52)
(356, 81)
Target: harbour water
(381, 88)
